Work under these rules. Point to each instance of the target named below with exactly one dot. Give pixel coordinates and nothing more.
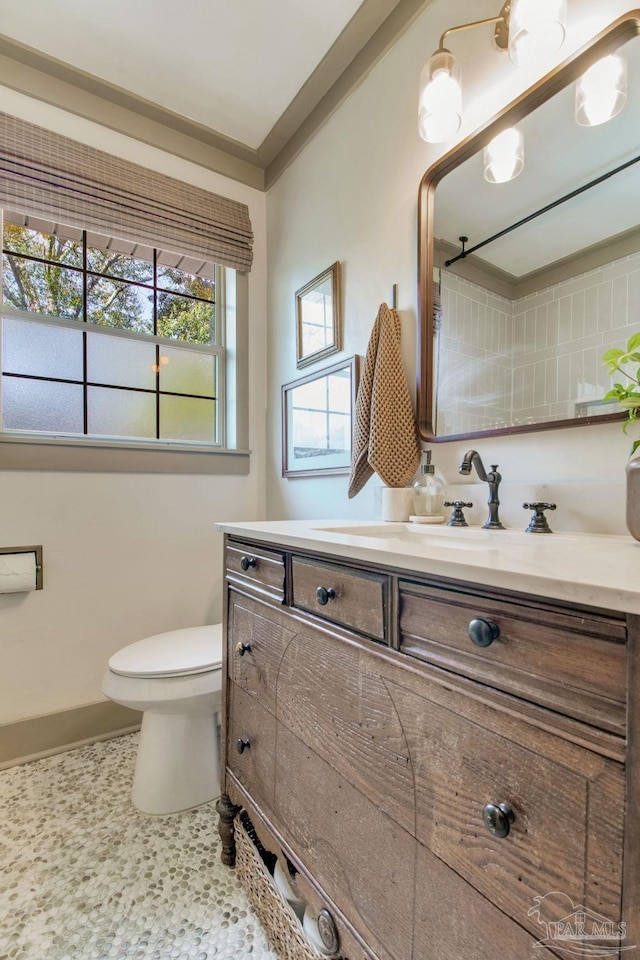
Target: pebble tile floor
(85, 876)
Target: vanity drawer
(567, 805)
(256, 643)
(262, 570)
(251, 739)
(349, 597)
(572, 662)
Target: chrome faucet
(472, 459)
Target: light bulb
(601, 92)
(440, 100)
(504, 156)
(537, 28)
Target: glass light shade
(601, 92)
(440, 101)
(537, 28)
(504, 156)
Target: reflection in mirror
(317, 415)
(515, 318)
(318, 329)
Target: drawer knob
(242, 648)
(328, 931)
(242, 745)
(483, 632)
(498, 819)
(323, 595)
(246, 562)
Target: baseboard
(37, 737)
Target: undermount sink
(442, 536)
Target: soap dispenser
(428, 490)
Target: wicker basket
(278, 919)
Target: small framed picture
(318, 317)
(317, 421)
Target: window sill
(105, 456)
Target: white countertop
(592, 569)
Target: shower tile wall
(475, 349)
(533, 359)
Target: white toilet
(175, 678)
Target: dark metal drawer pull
(246, 562)
(498, 819)
(323, 595)
(483, 632)
(242, 648)
(242, 745)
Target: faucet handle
(457, 516)
(538, 522)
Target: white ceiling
(231, 65)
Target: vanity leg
(226, 812)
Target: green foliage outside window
(53, 287)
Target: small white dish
(416, 519)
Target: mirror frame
(620, 31)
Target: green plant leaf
(613, 355)
(633, 343)
(636, 444)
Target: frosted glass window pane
(120, 361)
(183, 418)
(111, 303)
(120, 413)
(182, 319)
(42, 288)
(42, 405)
(185, 371)
(41, 349)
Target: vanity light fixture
(601, 92)
(537, 28)
(528, 28)
(504, 156)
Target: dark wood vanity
(442, 797)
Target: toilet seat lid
(174, 654)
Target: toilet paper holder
(38, 552)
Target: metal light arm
(501, 32)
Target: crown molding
(369, 34)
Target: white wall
(125, 555)
(352, 195)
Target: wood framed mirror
(513, 321)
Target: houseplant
(627, 395)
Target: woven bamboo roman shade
(47, 175)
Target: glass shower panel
(120, 413)
(41, 350)
(42, 405)
(120, 362)
(187, 371)
(187, 419)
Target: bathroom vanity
(439, 730)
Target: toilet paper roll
(17, 572)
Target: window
(109, 340)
